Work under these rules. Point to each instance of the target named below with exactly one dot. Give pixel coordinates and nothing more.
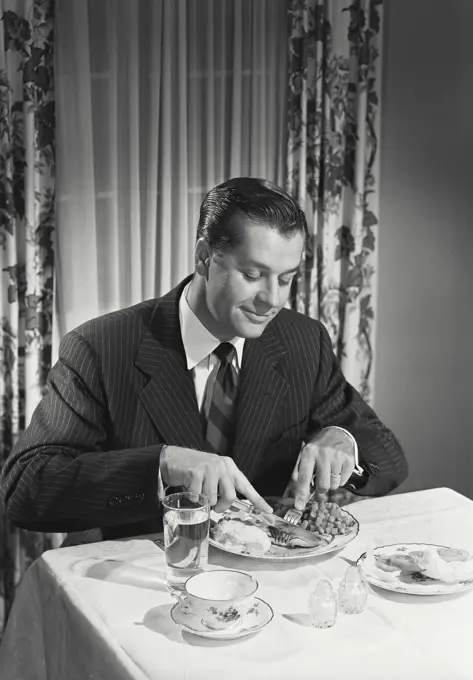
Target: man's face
(248, 285)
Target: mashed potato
(241, 536)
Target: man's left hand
(329, 455)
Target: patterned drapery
(333, 155)
(27, 163)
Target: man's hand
(330, 457)
(217, 477)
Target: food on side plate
(449, 565)
(434, 565)
(453, 554)
(322, 517)
(384, 563)
(397, 562)
(241, 535)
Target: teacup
(220, 598)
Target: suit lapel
(169, 395)
(262, 387)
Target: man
(215, 387)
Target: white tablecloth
(101, 611)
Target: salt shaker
(323, 605)
(352, 592)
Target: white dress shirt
(199, 344)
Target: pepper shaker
(352, 593)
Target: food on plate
(384, 563)
(255, 533)
(397, 562)
(241, 535)
(449, 565)
(453, 554)
(288, 537)
(323, 517)
(433, 565)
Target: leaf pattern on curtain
(27, 209)
(333, 156)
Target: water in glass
(186, 537)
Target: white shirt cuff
(161, 488)
(358, 470)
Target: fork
(294, 516)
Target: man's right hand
(217, 477)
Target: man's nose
(270, 295)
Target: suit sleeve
(336, 402)
(59, 476)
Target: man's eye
(251, 277)
(286, 282)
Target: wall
(424, 365)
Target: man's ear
(202, 257)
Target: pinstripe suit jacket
(121, 389)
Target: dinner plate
(401, 582)
(259, 617)
(279, 554)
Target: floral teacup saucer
(258, 617)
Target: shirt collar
(197, 340)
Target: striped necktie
(220, 419)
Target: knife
(275, 521)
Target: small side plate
(402, 582)
(261, 614)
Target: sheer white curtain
(157, 101)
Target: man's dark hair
(258, 199)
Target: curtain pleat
(159, 100)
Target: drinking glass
(186, 522)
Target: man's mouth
(253, 316)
